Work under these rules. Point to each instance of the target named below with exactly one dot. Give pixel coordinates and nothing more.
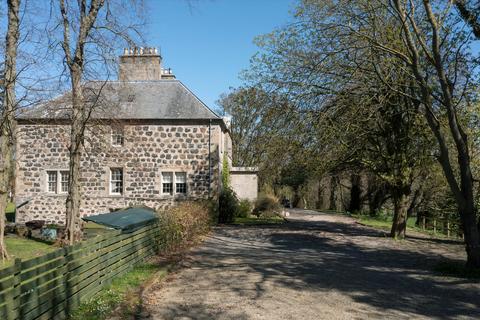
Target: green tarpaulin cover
(126, 220)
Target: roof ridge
(136, 81)
(196, 97)
(160, 99)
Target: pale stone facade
(167, 136)
(244, 182)
(148, 151)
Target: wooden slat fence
(51, 286)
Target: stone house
(150, 142)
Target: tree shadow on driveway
(394, 278)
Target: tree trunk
(413, 203)
(3, 247)
(355, 194)
(375, 201)
(332, 189)
(80, 114)
(399, 224)
(471, 236)
(72, 227)
(8, 113)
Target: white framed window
(116, 181)
(117, 136)
(52, 181)
(174, 183)
(167, 182)
(64, 175)
(57, 181)
(180, 182)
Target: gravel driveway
(316, 266)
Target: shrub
(225, 172)
(267, 204)
(227, 206)
(183, 224)
(244, 209)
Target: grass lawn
(253, 220)
(10, 208)
(385, 223)
(10, 212)
(24, 249)
(124, 291)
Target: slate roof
(161, 99)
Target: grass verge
(456, 269)
(10, 207)
(253, 220)
(24, 249)
(10, 212)
(123, 295)
(385, 223)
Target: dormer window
(117, 136)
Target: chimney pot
(125, 51)
(140, 64)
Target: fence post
(423, 222)
(434, 225)
(70, 302)
(17, 269)
(448, 228)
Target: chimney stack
(142, 64)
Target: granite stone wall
(147, 151)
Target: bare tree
(75, 59)
(85, 26)
(7, 120)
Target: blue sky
(209, 42)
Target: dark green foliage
(294, 174)
(244, 209)
(225, 172)
(228, 206)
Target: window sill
(51, 194)
(116, 195)
(174, 196)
